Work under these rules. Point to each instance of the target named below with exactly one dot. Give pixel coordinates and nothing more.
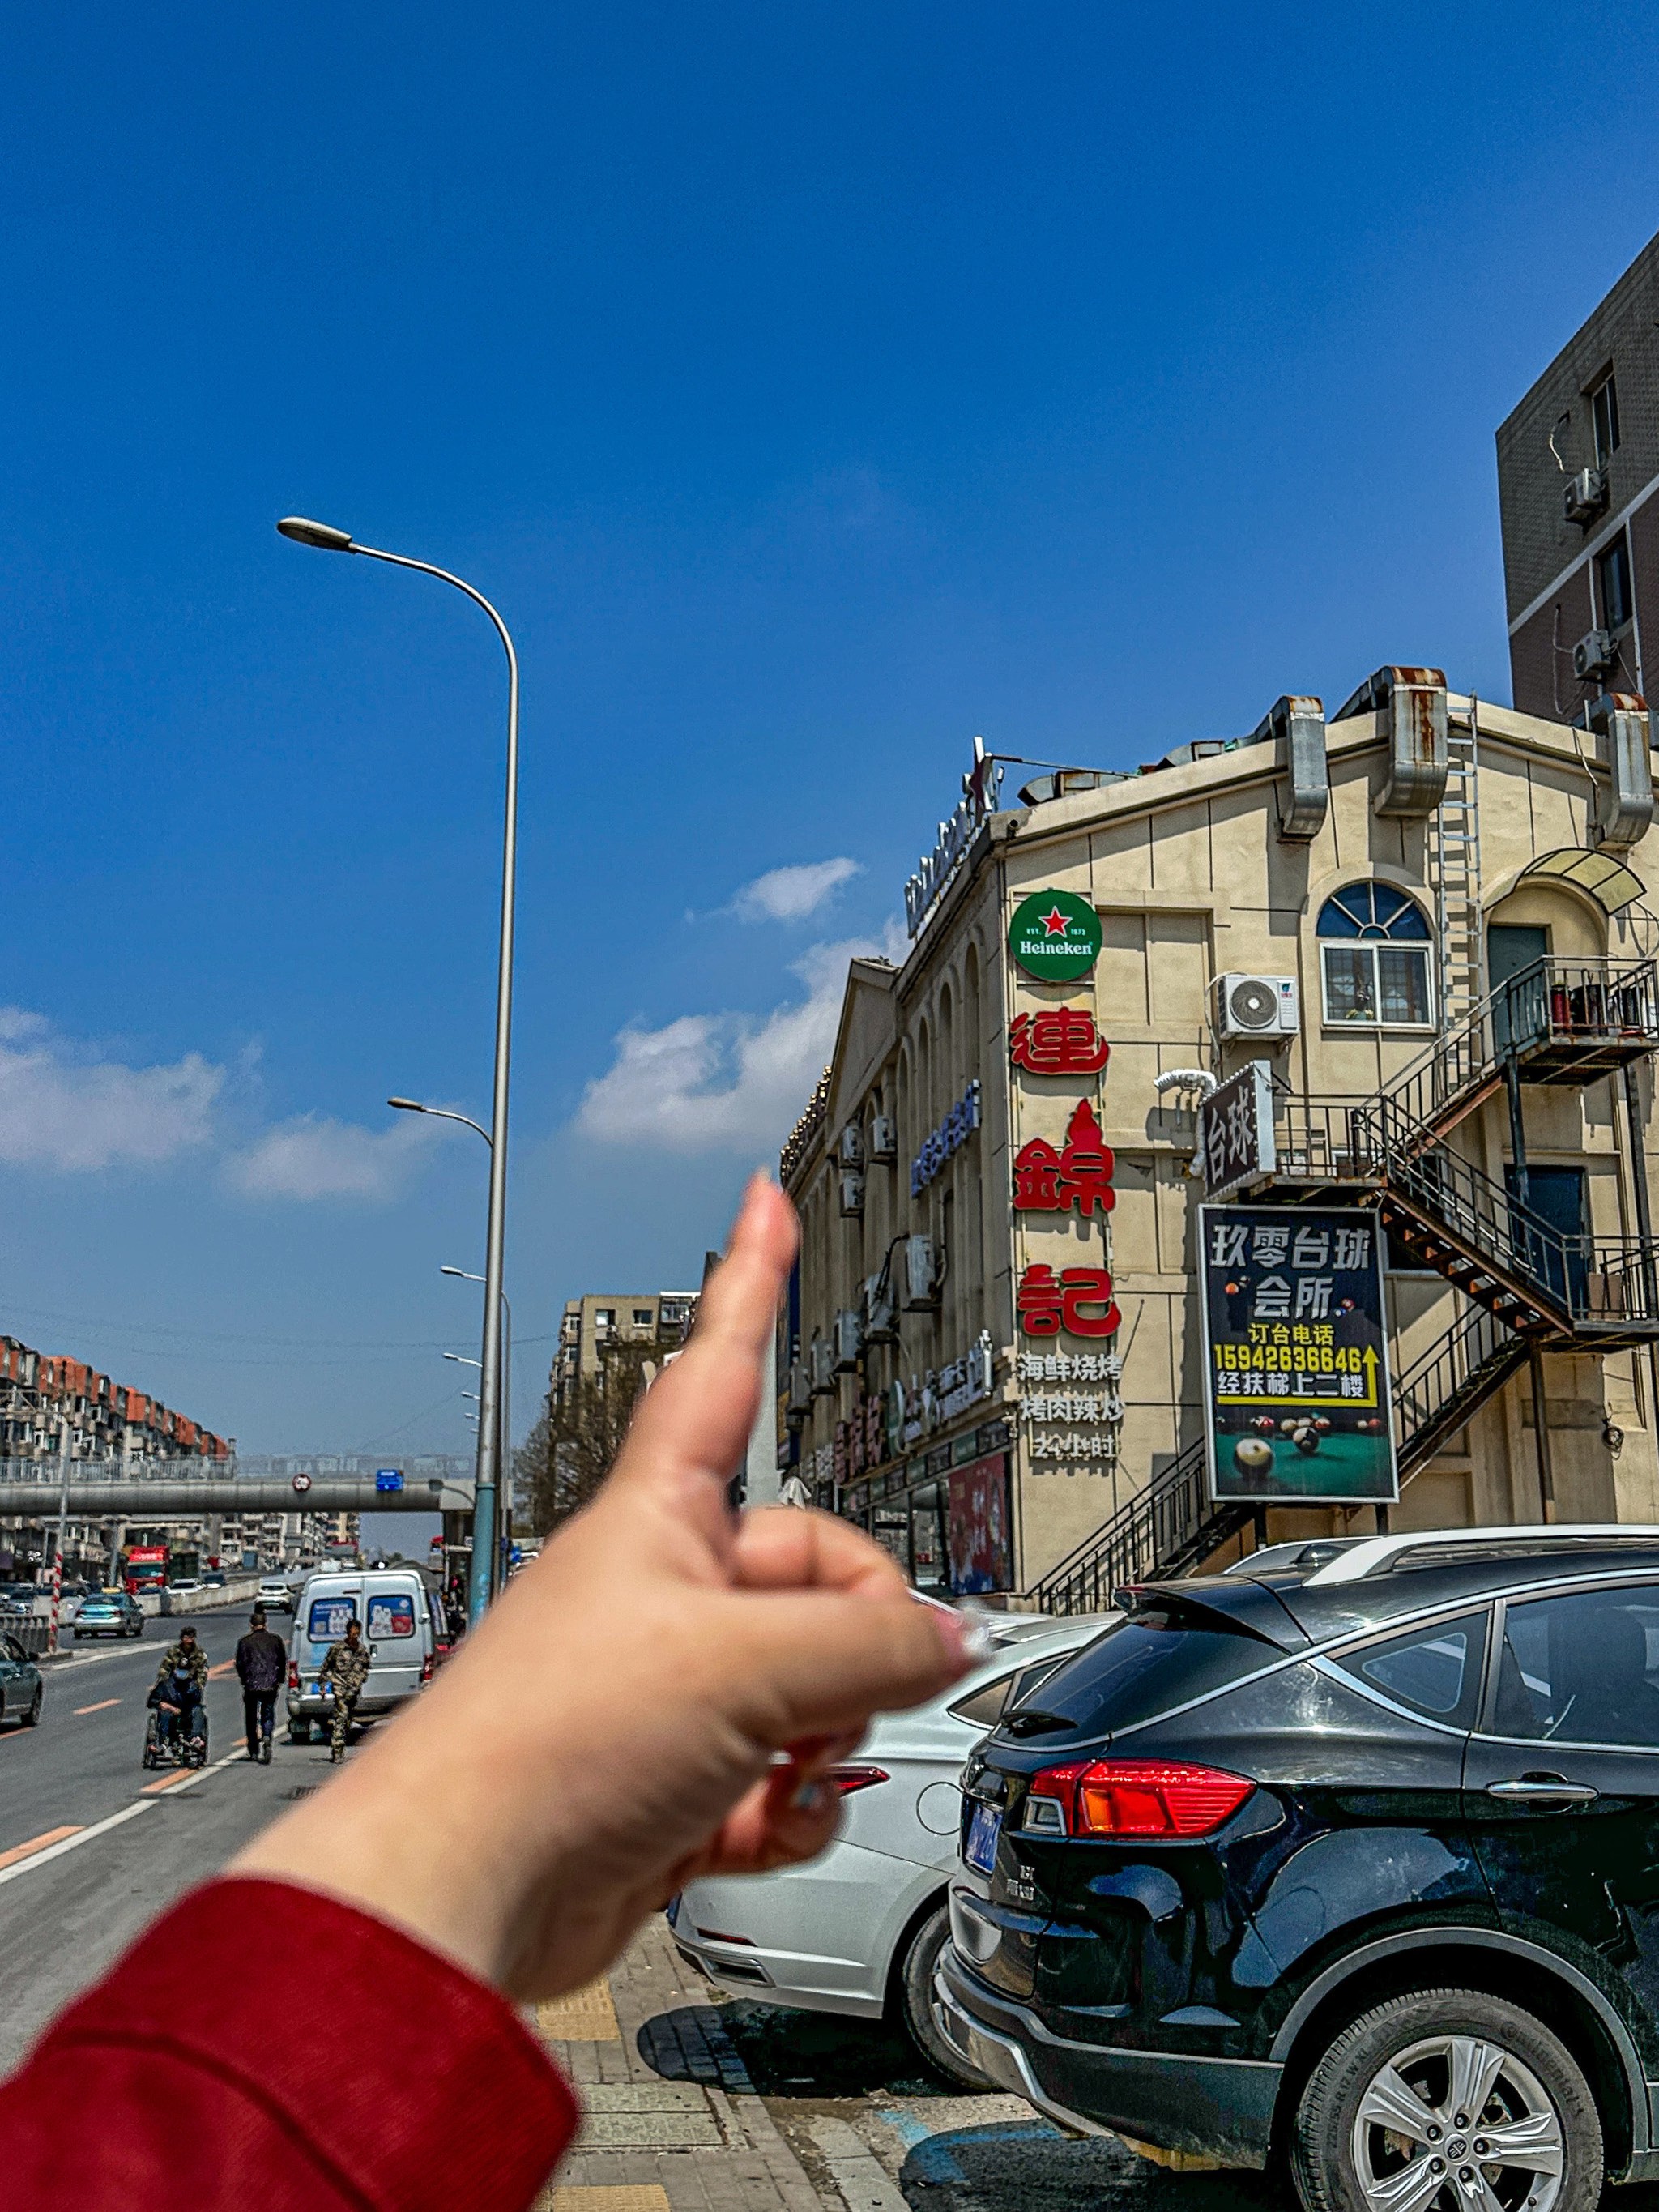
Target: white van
(399, 1623)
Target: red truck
(144, 1567)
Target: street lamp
(326, 538)
(465, 1275)
(441, 1114)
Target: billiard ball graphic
(1253, 1456)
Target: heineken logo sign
(1055, 936)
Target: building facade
(603, 1320)
(1409, 918)
(1577, 469)
(52, 1406)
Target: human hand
(613, 1727)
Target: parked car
(187, 1586)
(859, 1929)
(109, 1613)
(21, 1688)
(1352, 1860)
(276, 1593)
(390, 1602)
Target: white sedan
(859, 1929)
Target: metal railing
(1584, 1006)
(1452, 1379)
(1581, 1280)
(1159, 1524)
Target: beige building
(598, 1322)
(1426, 920)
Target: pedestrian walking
(346, 1668)
(261, 1662)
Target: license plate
(982, 1833)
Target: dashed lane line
(73, 1843)
(102, 1706)
(35, 1843)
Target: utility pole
(58, 1562)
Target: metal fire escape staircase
(1561, 1024)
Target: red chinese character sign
(1057, 1041)
(1078, 1299)
(1078, 1177)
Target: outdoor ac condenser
(1260, 1008)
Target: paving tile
(650, 2196)
(650, 2130)
(645, 2097)
(584, 2015)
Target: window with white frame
(1374, 958)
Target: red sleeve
(262, 2045)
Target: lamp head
(323, 535)
(407, 1105)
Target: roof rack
(1377, 1555)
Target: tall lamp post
(465, 1275)
(330, 540)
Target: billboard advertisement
(1296, 1356)
(979, 1540)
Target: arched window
(1374, 957)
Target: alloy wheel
(1457, 2122)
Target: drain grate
(304, 1789)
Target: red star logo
(1054, 922)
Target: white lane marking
(73, 1842)
(190, 1781)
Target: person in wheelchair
(180, 1692)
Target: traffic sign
(388, 1478)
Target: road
(137, 1840)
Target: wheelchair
(174, 1749)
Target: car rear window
(1135, 1671)
(391, 1616)
(326, 1622)
(984, 1707)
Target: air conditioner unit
(1259, 1007)
(922, 1274)
(852, 1193)
(884, 1141)
(851, 1149)
(1584, 496)
(821, 1363)
(847, 1340)
(798, 1403)
(1596, 655)
(880, 1309)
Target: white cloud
(65, 1107)
(314, 1156)
(791, 894)
(726, 1081)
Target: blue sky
(811, 388)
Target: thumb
(697, 1416)
(821, 1662)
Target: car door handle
(1545, 1789)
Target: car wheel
(914, 1977)
(31, 1717)
(299, 1732)
(1457, 2084)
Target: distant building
(1577, 469)
(52, 1406)
(602, 1320)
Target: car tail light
(294, 1674)
(1140, 1797)
(426, 1668)
(845, 1779)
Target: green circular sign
(1055, 935)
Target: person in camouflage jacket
(346, 1668)
(181, 1683)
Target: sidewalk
(701, 2141)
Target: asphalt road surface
(131, 1841)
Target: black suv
(1348, 1856)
